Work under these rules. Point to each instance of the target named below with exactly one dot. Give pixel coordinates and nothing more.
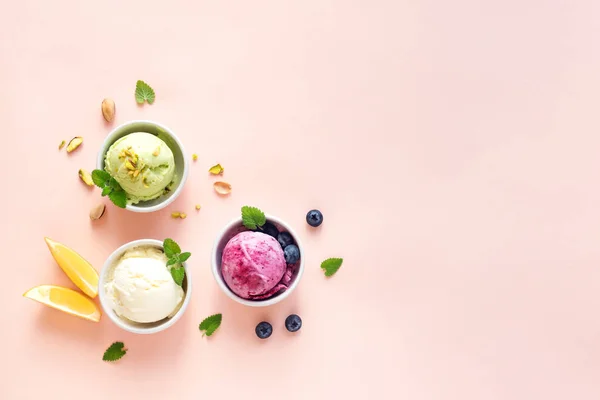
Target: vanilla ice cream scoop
(140, 286)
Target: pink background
(451, 145)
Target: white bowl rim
(256, 303)
(110, 138)
(107, 309)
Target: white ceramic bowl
(133, 326)
(232, 229)
(181, 160)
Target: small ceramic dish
(181, 161)
(130, 326)
(232, 229)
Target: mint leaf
(183, 257)
(119, 198)
(210, 324)
(143, 92)
(173, 261)
(252, 217)
(100, 177)
(114, 352)
(110, 187)
(331, 265)
(171, 248)
(174, 255)
(178, 273)
(114, 184)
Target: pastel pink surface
(252, 264)
(451, 145)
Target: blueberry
(285, 239)
(270, 229)
(264, 330)
(293, 323)
(314, 218)
(291, 254)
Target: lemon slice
(66, 300)
(81, 272)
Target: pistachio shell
(74, 143)
(222, 187)
(108, 109)
(97, 212)
(86, 177)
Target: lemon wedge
(81, 272)
(66, 300)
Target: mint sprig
(110, 187)
(210, 324)
(252, 217)
(171, 248)
(331, 265)
(175, 260)
(143, 92)
(114, 352)
(178, 274)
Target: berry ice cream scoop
(253, 265)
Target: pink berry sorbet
(253, 265)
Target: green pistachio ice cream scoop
(143, 165)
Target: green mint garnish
(171, 248)
(252, 217)
(210, 324)
(183, 257)
(331, 265)
(143, 92)
(175, 259)
(110, 187)
(100, 177)
(114, 352)
(178, 273)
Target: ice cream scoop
(253, 265)
(140, 287)
(142, 164)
